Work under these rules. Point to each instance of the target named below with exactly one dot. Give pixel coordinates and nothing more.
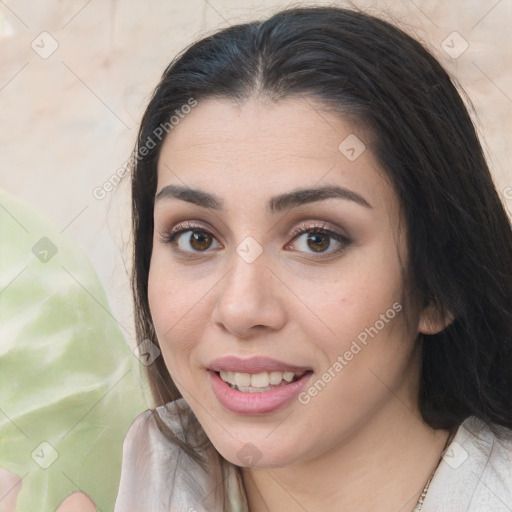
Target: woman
(324, 263)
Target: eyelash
(170, 237)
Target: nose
(250, 299)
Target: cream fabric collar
(475, 474)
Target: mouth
(259, 382)
(258, 393)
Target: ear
(432, 322)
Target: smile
(258, 382)
(263, 398)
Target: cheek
(166, 306)
(352, 297)
(166, 310)
(178, 305)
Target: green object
(69, 384)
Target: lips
(248, 400)
(254, 365)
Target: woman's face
(276, 256)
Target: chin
(249, 450)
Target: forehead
(263, 148)
(296, 126)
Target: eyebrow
(276, 204)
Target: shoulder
(154, 437)
(145, 429)
(157, 474)
(475, 473)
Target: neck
(382, 465)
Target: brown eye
(318, 242)
(191, 240)
(197, 240)
(200, 240)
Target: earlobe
(432, 321)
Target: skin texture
(363, 431)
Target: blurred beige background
(75, 76)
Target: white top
(475, 474)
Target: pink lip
(256, 403)
(253, 365)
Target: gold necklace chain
(419, 504)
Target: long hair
(458, 234)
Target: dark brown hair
(458, 234)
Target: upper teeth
(256, 380)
